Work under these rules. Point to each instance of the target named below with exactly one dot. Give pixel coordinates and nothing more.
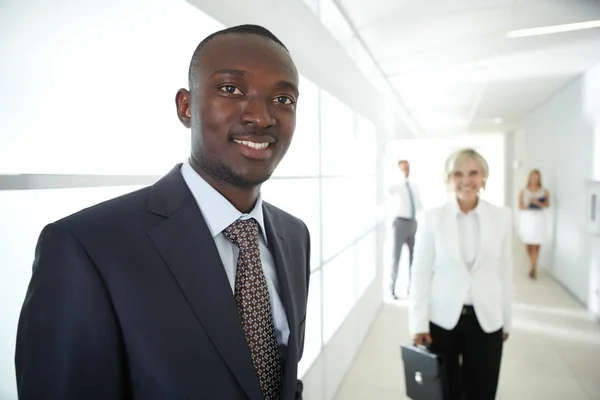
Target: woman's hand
(423, 339)
(504, 337)
(537, 203)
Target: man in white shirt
(405, 223)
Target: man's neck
(243, 199)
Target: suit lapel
(277, 247)
(186, 245)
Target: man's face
(405, 168)
(241, 108)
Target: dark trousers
(404, 232)
(472, 357)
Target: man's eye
(283, 100)
(230, 89)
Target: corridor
(553, 353)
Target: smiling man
(193, 288)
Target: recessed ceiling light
(498, 120)
(546, 30)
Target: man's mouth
(253, 145)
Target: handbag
(424, 373)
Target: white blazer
(441, 280)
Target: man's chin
(244, 180)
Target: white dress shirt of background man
(405, 223)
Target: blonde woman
(460, 297)
(532, 222)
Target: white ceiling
(453, 67)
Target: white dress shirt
(219, 213)
(400, 190)
(469, 238)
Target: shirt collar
(218, 212)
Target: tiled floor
(553, 352)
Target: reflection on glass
(302, 158)
(339, 291)
(312, 336)
(338, 144)
(301, 198)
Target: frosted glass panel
(299, 197)
(302, 158)
(366, 144)
(338, 145)
(366, 262)
(312, 335)
(104, 102)
(25, 214)
(339, 215)
(339, 291)
(365, 204)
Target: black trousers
(472, 357)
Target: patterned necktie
(254, 307)
(412, 201)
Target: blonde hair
(539, 174)
(457, 158)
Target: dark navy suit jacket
(129, 300)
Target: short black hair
(247, 29)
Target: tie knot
(243, 233)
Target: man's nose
(258, 112)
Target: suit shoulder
(286, 219)
(116, 208)
(284, 216)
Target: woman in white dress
(532, 226)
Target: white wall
(562, 139)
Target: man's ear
(182, 101)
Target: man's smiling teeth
(257, 146)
